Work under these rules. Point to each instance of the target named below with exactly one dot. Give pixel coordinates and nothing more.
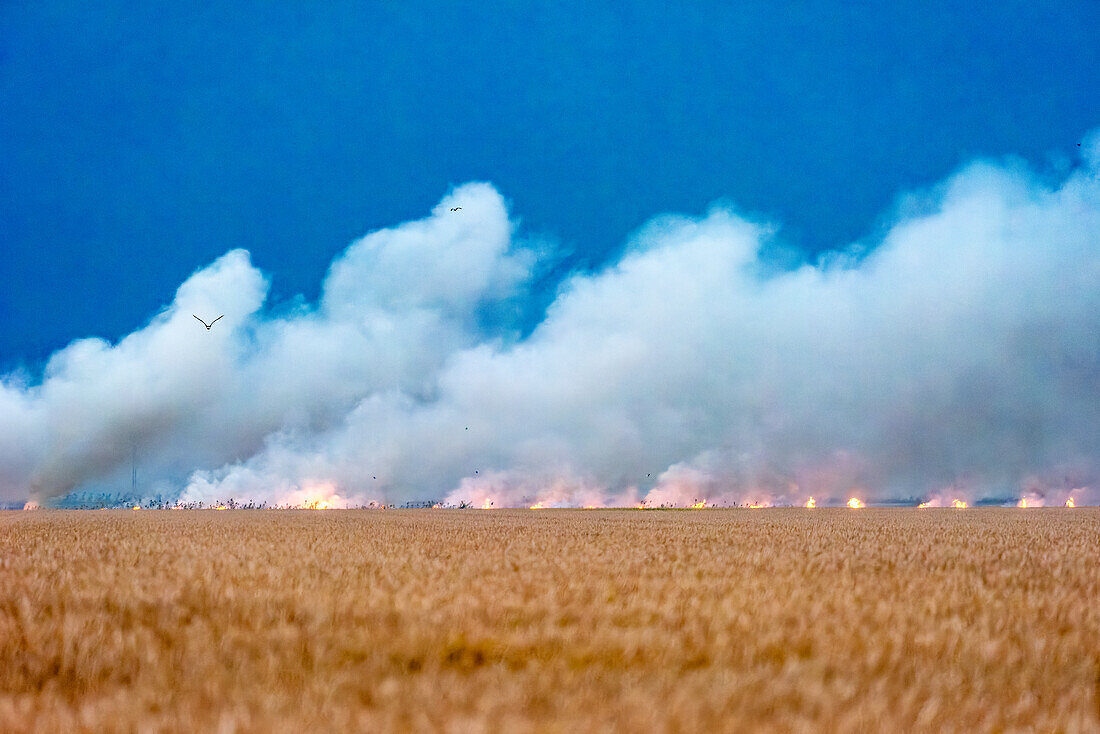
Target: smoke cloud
(958, 357)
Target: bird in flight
(206, 324)
(455, 208)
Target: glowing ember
(855, 503)
(810, 503)
(1070, 503)
(958, 503)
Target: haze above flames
(954, 359)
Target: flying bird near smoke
(954, 359)
(206, 324)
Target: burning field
(560, 620)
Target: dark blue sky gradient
(138, 141)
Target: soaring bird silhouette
(455, 208)
(206, 324)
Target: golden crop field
(571, 620)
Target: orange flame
(136, 507)
(699, 505)
(922, 505)
(958, 503)
(487, 504)
(315, 495)
(810, 503)
(219, 507)
(855, 503)
(537, 506)
(1070, 503)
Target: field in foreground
(713, 620)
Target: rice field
(548, 620)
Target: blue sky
(139, 141)
(557, 338)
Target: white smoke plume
(957, 358)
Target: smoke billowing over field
(953, 358)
